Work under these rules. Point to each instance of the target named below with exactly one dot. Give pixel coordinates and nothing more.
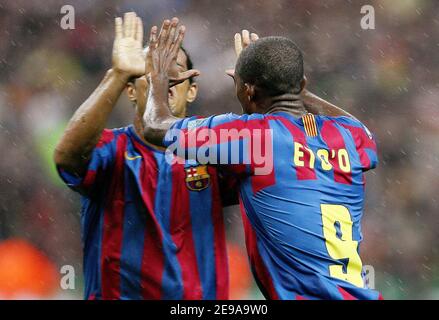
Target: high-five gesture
(128, 57)
(163, 51)
(161, 63)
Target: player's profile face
(178, 95)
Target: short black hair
(274, 64)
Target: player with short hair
(303, 218)
(150, 229)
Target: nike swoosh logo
(131, 158)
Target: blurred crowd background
(387, 77)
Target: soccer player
(302, 217)
(151, 229)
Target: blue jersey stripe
(201, 215)
(100, 235)
(172, 282)
(92, 248)
(284, 152)
(133, 236)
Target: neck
(288, 102)
(138, 126)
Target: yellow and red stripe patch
(310, 125)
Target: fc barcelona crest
(197, 178)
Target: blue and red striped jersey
(302, 195)
(151, 229)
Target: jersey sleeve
(102, 159)
(238, 142)
(364, 140)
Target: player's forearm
(317, 105)
(83, 131)
(157, 118)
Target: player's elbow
(65, 160)
(61, 158)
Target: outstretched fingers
(172, 32)
(118, 30)
(139, 31)
(153, 37)
(129, 24)
(177, 42)
(238, 44)
(163, 50)
(163, 35)
(254, 37)
(183, 76)
(245, 38)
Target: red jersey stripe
(261, 181)
(221, 262)
(335, 141)
(153, 256)
(362, 141)
(346, 295)
(113, 227)
(305, 172)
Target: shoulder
(225, 119)
(352, 124)
(110, 136)
(233, 117)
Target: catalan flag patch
(310, 125)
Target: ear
(131, 91)
(250, 91)
(231, 73)
(303, 83)
(192, 93)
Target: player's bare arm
(162, 55)
(313, 103)
(316, 105)
(74, 149)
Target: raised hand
(161, 59)
(242, 42)
(128, 56)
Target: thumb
(183, 76)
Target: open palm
(128, 56)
